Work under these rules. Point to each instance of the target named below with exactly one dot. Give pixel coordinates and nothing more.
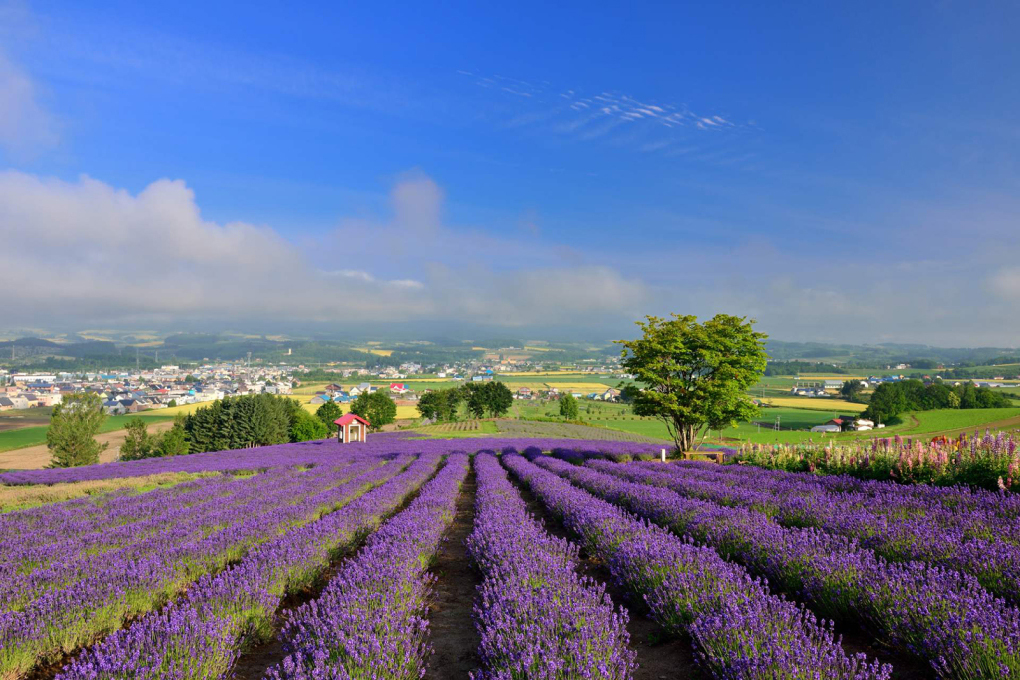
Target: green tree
(138, 443)
(327, 413)
(474, 396)
(74, 425)
(375, 407)
(429, 404)
(628, 393)
(172, 403)
(174, 442)
(498, 398)
(440, 405)
(887, 402)
(695, 375)
(851, 389)
(306, 427)
(568, 407)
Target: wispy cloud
(25, 126)
(587, 117)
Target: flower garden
(318, 560)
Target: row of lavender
(739, 628)
(536, 617)
(201, 635)
(942, 616)
(972, 540)
(323, 452)
(67, 548)
(369, 621)
(65, 594)
(965, 498)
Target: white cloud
(25, 127)
(87, 251)
(1006, 283)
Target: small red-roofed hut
(351, 428)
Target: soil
(658, 654)
(856, 641)
(451, 625)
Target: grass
(34, 436)
(24, 496)
(923, 424)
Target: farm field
(19, 418)
(36, 435)
(408, 558)
(37, 455)
(817, 404)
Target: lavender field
(503, 558)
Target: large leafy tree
(74, 425)
(498, 399)
(376, 407)
(494, 398)
(328, 413)
(695, 376)
(440, 405)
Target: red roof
(348, 418)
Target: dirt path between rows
(658, 655)
(451, 626)
(36, 457)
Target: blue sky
(837, 171)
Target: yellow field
(537, 373)
(403, 412)
(308, 389)
(820, 376)
(532, 348)
(185, 409)
(584, 388)
(375, 350)
(816, 404)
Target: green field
(33, 436)
(924, 424)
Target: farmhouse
(351, 428)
